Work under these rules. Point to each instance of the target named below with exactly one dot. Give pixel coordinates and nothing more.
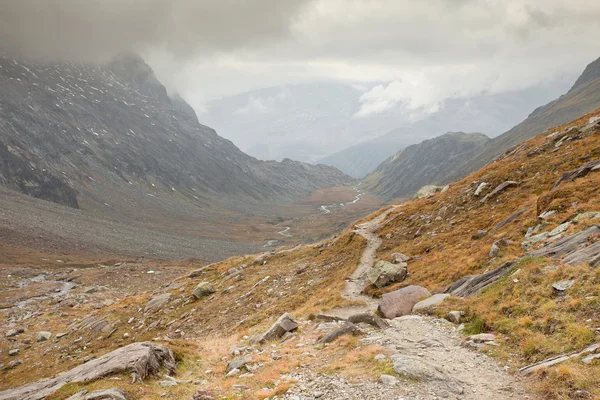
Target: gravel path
(428, 353)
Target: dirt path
(430, 351)
(357, 281)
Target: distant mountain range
(77, 133)
(422, 164)
(320, 122)
(449, 157)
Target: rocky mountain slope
(488, 113)
(422, 164)
(583, 97)
(75, 133)
(504, 260)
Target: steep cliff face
(76, 128)
(422, 164)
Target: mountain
(78, 133)
(422, 164)
(583, 97)
(316, 122)
(486, 112)
(503, 282)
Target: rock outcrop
(143, 359)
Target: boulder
(455, 316)
(427, 190)
(284, 324)
(401, 302)
(499, 189)
(43, 336)
(398, 258)
(14, 332)
(482, 338)
(142, 359)
(347, 329)
(157, 302)
(108, 394)
(388, 380)
(494, 250)
(203, 289)
(383, 273)
(429, 302)
(415, 368)
(237, 363)
(480, 188)
(562, 286)
(369, 318)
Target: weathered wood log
(142, 358)
(473, 284)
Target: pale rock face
(384, 273)
(401, 302)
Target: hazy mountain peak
(591, 72)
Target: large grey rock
(499, 189)
(284, 324)
(575, 248)
(203, 289)
(43, 336)
(398, 258)
(388, 380)
(430, 302)
(473, 284)
(347, 329)
(108, 394)
(427, 190)
(142, 358)
(383, 273)
(562, 286)
(415, 368)
(157, 302)
(401, 302)
(237, 363)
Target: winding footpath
(430, 350)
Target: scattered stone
(14, 352)
(203, 289)
(61, 335)
(398, 258)
(546, 214)
(413, 367)
(347, 329)
(233, 372)
(558, 359)
(455, 316)
(586, 215)
(14, 332)
(401, 302)
(578, 173)
(238, 363)
(494, 250)
(43, 336)
(284, 324)
(500, 188)
(427, 191)
(562, 286)
(473, 284)
(203, 395)
(380, 357)
(430, 302)
(157, 302)
(12, 365)
(482, 338)
(388, 380)
(480, 188)
(384, 273)
(142, 358)
(369, 318)
(562, 228)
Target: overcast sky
(425, 50)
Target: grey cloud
(96, 29)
